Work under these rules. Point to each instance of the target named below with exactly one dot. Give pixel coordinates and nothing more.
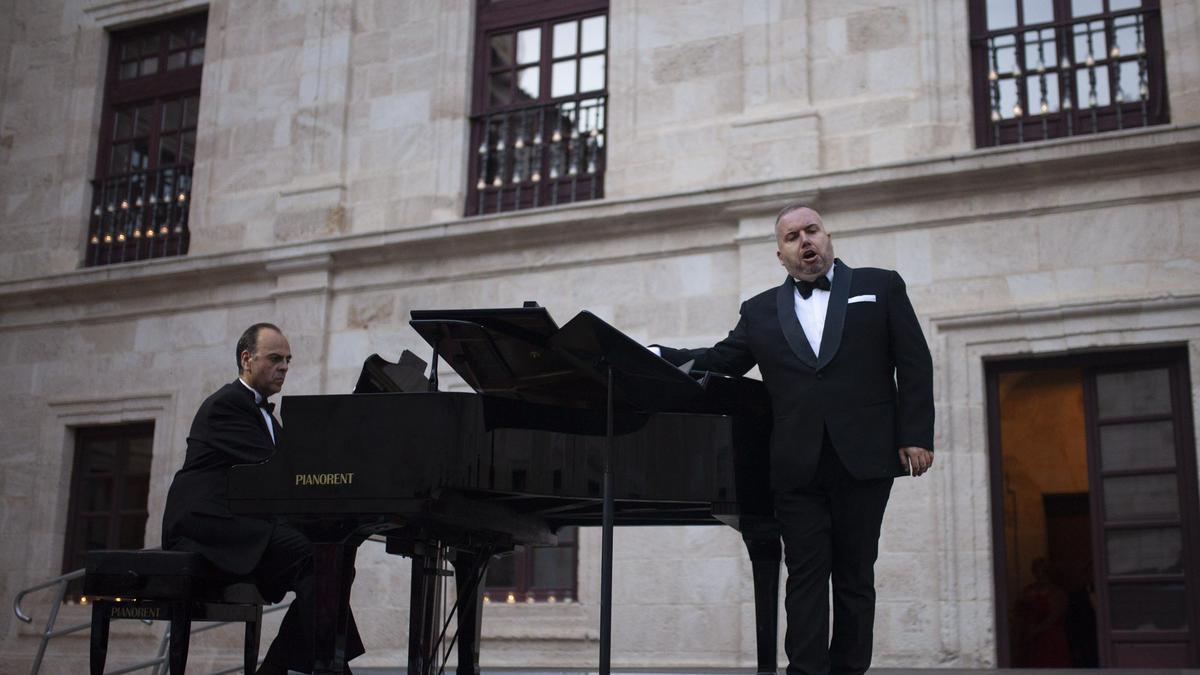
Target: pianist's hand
(916, 460)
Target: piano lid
(521, 353)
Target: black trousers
(830, 530)
(287, 565)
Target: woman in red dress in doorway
(1043, 606)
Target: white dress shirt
(811, 313)
(266, 415)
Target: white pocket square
(861, 298)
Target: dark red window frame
(536, 151)
(518, 578)
(143, 175)
(1057, 79)
(110, 482)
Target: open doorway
(1046, 523)
(1095, 510)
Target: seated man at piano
(235, 425)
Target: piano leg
(469, 582)
(765, 554)
(333, 564)
(424, 624)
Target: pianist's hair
(249, 341)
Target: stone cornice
(993, 170)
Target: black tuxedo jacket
(870, 388)
(228, 429)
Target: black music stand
(643, 381)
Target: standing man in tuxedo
(851, 383)
(236, 426)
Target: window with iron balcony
(539, 103)
(143, 186)
(1055, 68)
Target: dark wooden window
(1142, 465)
(539, 104)
(536, 573)
(142, 191)
(110, 482)
(1053, 68)
(1094, 471)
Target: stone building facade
(332, 157)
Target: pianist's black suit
(229, 429)
(839, 419)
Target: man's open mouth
(808, 255)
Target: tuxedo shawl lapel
(254, 409)
(785, 307)
(835, 313)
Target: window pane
(139, 158)
(527, 83)
(1092, 96)
(97, 494)
(562, 79)
(196, 56)
(100, 455)
(129, 50)
(120, 159)
(1128, 81)
(501, 49)
(529, 46)
(1138, 392)
(594, 37)
(149, 45)
(591, 73)
(132, 533)
(1118, 5)
(1004, 53)
(501, 572)
(128, 71)
(144, 121)
(168, 150)
(565, 38)
(1126, 34)
(135, 492)
(176, 40)
(1042, 103)
(191, 111)
(177, 60)
(196, 35)
(1008, 98)
(172, 114)
(500, 88)
(123, 126)
(1085, 7)
(1040, 49)
(95, 532)
(187, 147)
(1090, 40)
(1147, 606)
(1151, 551)
(150, 66)
(553, 567)
(1141, 497)
(1037, 11)
(1137, 446)
(1001, 14)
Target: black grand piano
(557, 415)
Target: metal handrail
(158, 663)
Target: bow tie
(266, 405)
(806, 287)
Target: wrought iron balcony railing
(139, 215)
(537, 156)
(1080, 75)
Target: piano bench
(175, 586)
